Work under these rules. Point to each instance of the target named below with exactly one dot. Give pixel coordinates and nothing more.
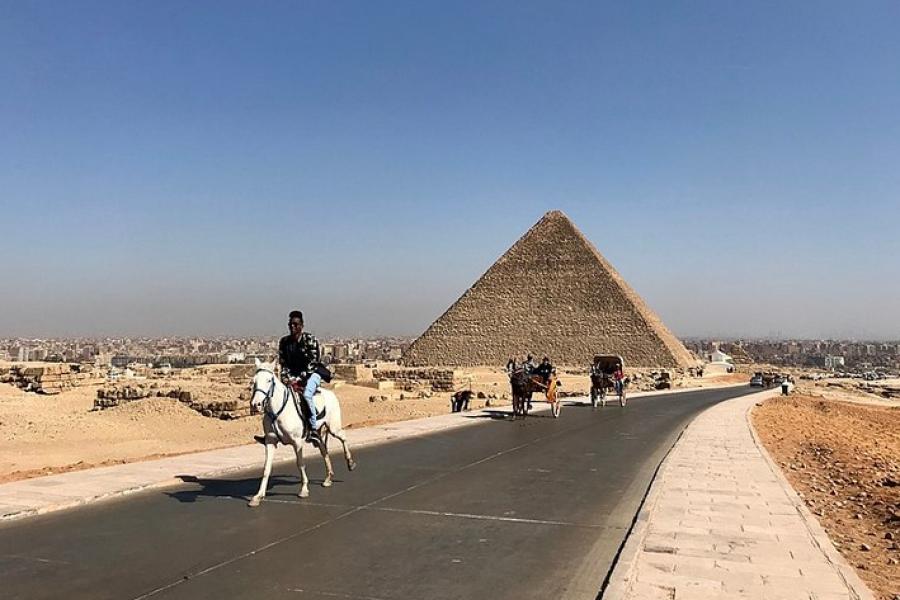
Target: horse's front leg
(267, 470)
(329, 471)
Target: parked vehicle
(756, 380)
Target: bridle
(267, 400)
(267, 397)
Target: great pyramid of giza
(551, 294)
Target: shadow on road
(239, 489)
(507, 415)
(497, 415)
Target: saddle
(304, 410)
(302, 406)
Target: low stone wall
(352, 373)
(109, 397)
(439, 380)
(50, 379)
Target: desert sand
(41, 434)
(838, 446)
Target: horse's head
(263, 385)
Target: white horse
(282, 422)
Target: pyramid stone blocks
(550, 294)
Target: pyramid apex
(555, 214)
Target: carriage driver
(544, 369)
(299, 355)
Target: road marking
(487, 517)
(35, 559)
(336, 595)
(435, 513)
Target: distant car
(756, 381)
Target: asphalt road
(504, 509)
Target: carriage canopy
(607, 363)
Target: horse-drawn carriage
(606, 377)
(524, 385)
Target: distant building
(834, 362)
(717, 356)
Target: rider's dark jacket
(298, 358)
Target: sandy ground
(844, 460)
(41, 435)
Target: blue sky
(201, 168)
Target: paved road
(524, 509)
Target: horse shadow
(239, 489)
(506, 415)
(496, 415)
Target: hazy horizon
(172, 169)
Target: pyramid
(551, 294)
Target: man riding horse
(299, 356)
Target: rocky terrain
(844, 460)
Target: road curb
(856, 585)
(623, 567)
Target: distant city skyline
(202, 169)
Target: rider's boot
(312, 436)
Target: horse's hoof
(303, 494)
(351, 465)
(254, 502)
(327, 483)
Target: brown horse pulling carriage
(603, 379)
(524, 385)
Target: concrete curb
(164, 472)
(857, 587)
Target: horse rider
(299, 356)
